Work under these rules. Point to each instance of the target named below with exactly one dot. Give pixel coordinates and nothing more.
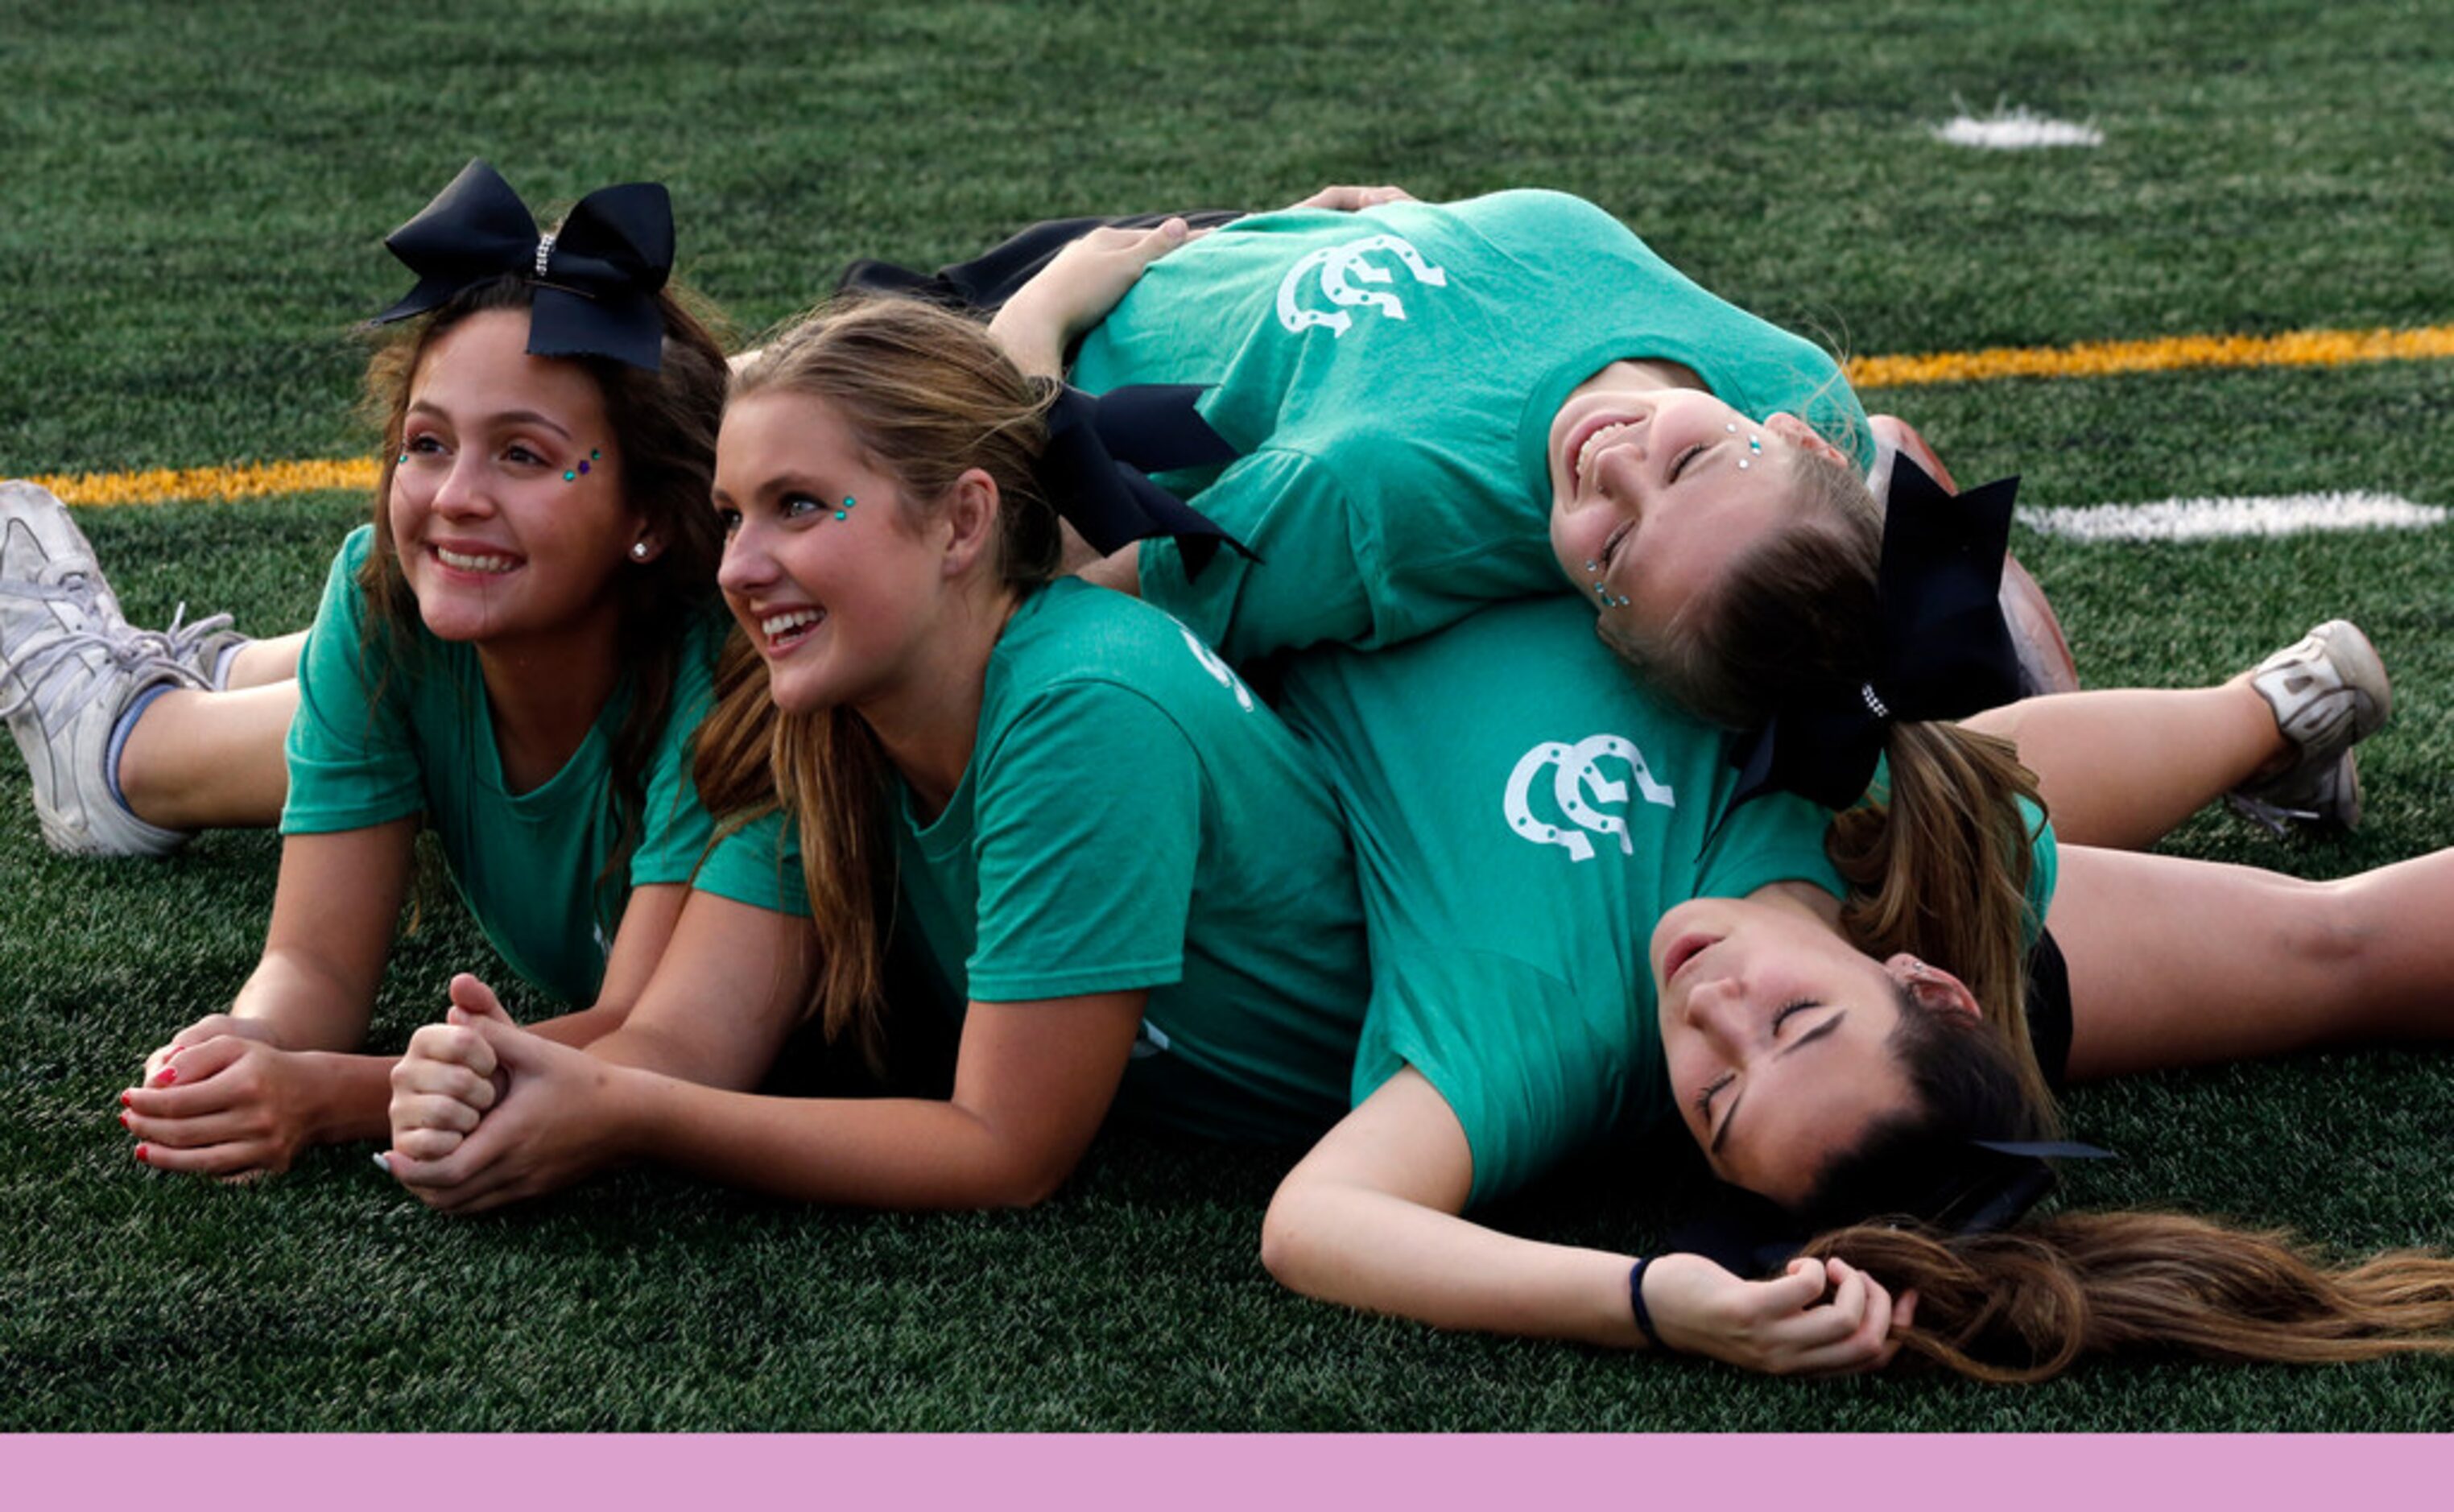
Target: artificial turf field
(192, 200)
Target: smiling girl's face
(1655, 491)
(836, 585)
(495, 542)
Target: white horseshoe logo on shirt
(1342, 267)
(1218, 669)
(1576, 774)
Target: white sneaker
(70, 664)
(2329, 693)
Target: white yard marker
(2207, 519)
(2012, 130)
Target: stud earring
(846, 510)
(1755, 447)
(638, 550)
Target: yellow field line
(2087, 359)
(2094, 359)
(255, 481)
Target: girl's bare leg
(214, 759)
(2178, 962)
(262, 661)
(2121, 767)
(206, 760)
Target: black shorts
(985, 283)
(2049, 1008)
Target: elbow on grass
(1019, 1186)
(1286, 1245)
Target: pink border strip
(1180, 1473)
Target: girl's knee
(2328, 925)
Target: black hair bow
(1944, 649)
(1982, 1186)
(1098, 449)
(596, 276)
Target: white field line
(2207, 519)
(2013, 130)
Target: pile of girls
(1455, 899)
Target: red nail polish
(140, 1152)
(125, 1098)
(168, 1077)
(123, 1122)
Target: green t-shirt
(1523, 815)
(1391, 377)
(378, 738)
(1132, 817)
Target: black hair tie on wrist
(1636, 1300)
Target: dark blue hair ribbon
(1982, 1186)
(1944, 649)
(596, 278)
(1099, 450)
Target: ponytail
(1938, 866)
(2023, 1305)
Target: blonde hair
(928, 397)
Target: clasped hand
(223, 1099)
(484, 1113)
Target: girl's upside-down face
(1656, 492)
(1776, 1033)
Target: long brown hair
(1938, 864)
(2022, 1304)
(665, 424)
(927, 397)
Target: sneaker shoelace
(126, 650)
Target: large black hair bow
(1098, 449)
(1944, 651)
(596, 277)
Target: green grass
(190, 218)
